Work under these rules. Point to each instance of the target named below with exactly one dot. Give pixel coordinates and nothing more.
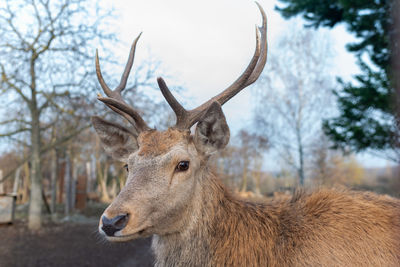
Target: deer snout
(112, 225)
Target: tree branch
(46, 148)
(14, 120)
(6, 80)
(20, 130)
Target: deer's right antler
(114, 99)
(186, 118)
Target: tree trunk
(35, 204)
(395, 61)
(244, 177)
(102, 181)
(301, 168)
(53, 182)
(113, 190)
(300, 151)
(1, 183)
(257, 176)
(101, 174)
(88, 177)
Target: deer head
(164, 167)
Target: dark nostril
(110, 226)
(121, 221)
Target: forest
(307, 127)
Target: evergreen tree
(367, 106)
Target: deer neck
(205, 219)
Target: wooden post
(81, 188)
(61, 183)
(74, 183)
(16, 181)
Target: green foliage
(366, 104)
(369, 20)
(365, 119)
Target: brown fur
(196, 221)
(155, 143)
(323, 228)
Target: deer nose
(110, 226)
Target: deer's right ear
(212, 131)
(118, 141)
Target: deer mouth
(121, 237)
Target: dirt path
(68, 245)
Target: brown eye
(182, 166)
(126, 167)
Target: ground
(72, 242)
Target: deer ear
(212, 131)
(118, 141)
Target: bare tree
(333, 167)
(321, 157)
(250, 148)
(46, 49)
(242, 160)
(293, 97)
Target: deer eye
(126, 167)
(182, 166)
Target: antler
(186, 118)
(114, 99)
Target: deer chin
(124, 236)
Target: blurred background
(325, 111)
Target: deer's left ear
(212, 131)
(118, 141)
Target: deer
(173, 194)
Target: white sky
(205, 45)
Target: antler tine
(116, 93)
(128, 66)
(185, 119)
(180, 112)
(103, 84)
(115, 104)
(114, 100)
(123, 114)
(249, 76)
(264, 48)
